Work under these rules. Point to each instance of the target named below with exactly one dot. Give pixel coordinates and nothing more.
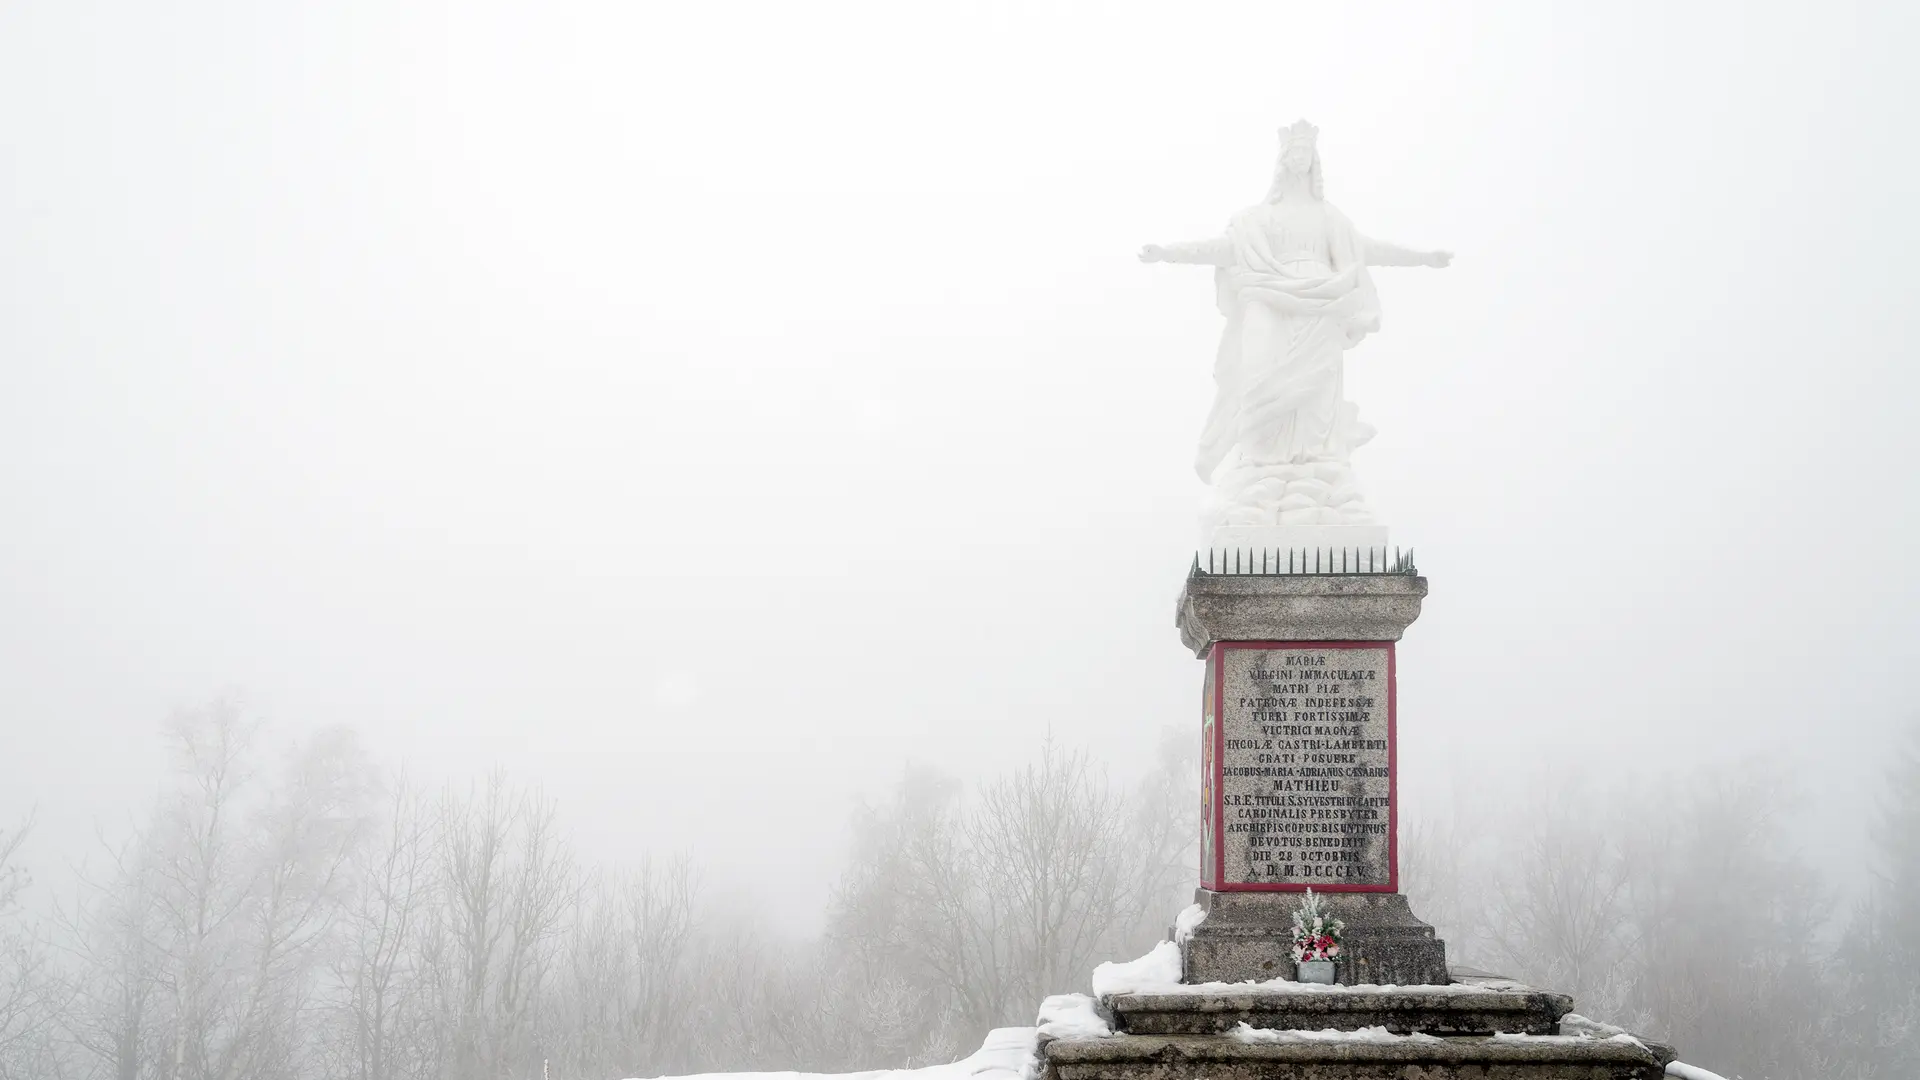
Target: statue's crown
(1301, 131)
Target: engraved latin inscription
(1305, 775)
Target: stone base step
(1472, 1006)
(1216, 1057)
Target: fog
(707, 412)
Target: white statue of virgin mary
(1291, 276)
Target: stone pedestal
(1298, 731)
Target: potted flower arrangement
(1316, 942)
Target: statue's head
(1299, 156)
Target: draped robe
(1292, 282)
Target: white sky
(704, 409)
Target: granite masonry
(1298, 725)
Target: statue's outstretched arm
(1217, 251)
(1381, 253)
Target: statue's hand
(1439, 259)
(1153, 253)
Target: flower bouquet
(1316, 942)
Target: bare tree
(987, 906)
(198, 954)
(1880, 953)
(382, 1006)
(1443, 875)
(307, 829)
(1729, 925)
(1561, 904)
(1163, 838)
(621, 1004)
(115, 1012)
(1050, 844)
(203, 884)
(30, 996)
(508, 882)
(910, 905)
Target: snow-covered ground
(1684, 1071)
(1004, 1056)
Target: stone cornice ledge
(1306, 607)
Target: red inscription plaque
(1299, 786)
